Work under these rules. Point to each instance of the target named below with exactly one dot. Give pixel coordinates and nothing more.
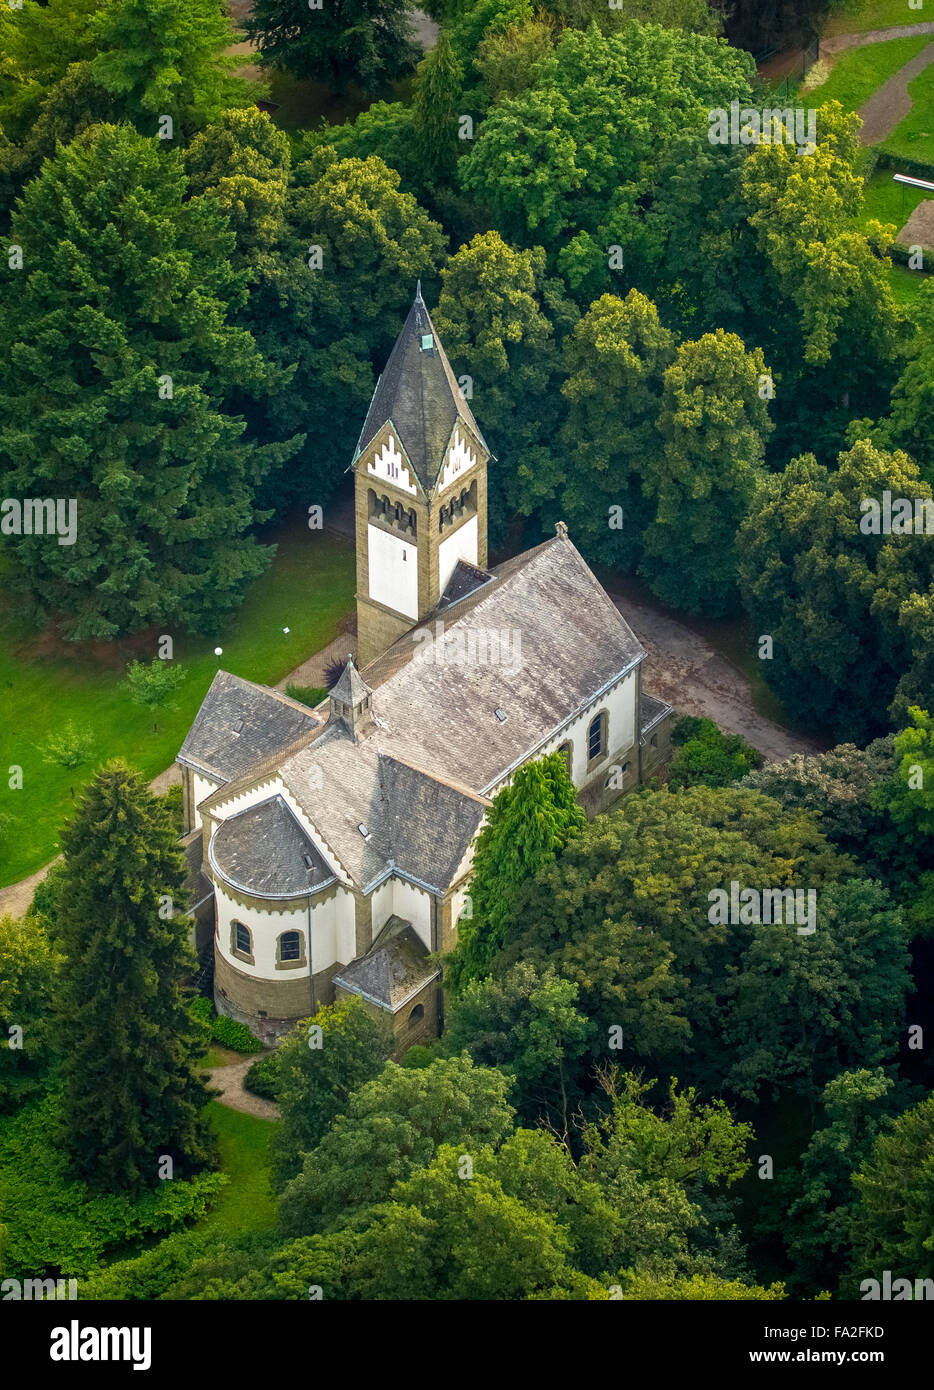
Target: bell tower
(420, 488)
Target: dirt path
(891, 103)
(229, 1081)
(683, 668)
(897, 31)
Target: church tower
(420, 488)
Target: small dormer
(351, 701)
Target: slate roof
(419, 393)
(351, 688)
(651, 712)
(239, 723)
(393, 969)
(572, 643)
(197, 886)
(465, 579)
(265, 850)
(417, 823)
(417, 782)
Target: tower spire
(418, 292)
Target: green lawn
(914, 137)
(884, 200)
(308, 589)
(856, 74)
(247, 1204)
(878, 14)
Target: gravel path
(683, 668)
(229, 1081)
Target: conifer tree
(529, 824)
(119, 363)
(168, 58)
(438, 86)
(131, 1096)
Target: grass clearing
(859, 72)
(44, 682)
(877, 14)
(247, 1204)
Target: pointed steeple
(419, 395)
(350, 700)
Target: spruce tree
(439, 82)
(168, 58)
(131, 1096)
(120, 361)
(529, 824)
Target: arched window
(417, 1013)
(567, 751)
(290, 946)
(596, 736)
(241, 942)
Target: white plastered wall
(332, 934)
(393, 571)
(462, 545)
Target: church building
(332, 848)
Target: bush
(229, 1033)
(707, 757)
(309, 695)
(70, 746)
(688, 726)
(418, 1056)
(263, 1077)
(226, 1031)
(55, 1227)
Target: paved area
(683, 668)
(919, 229)
(229, 1081)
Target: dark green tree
(833, 591)
(131, 1093)
(814, 1215)
(572, 161)
(329, 303)
(367, 42)
(806, 1006)
(320, 1064)
(391, 1126)
(615, 359)
(528, 1024)
(893, 1222)
(496, 317)
(528, 825)
(714, 422)
(119, 361)
(625, 913)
